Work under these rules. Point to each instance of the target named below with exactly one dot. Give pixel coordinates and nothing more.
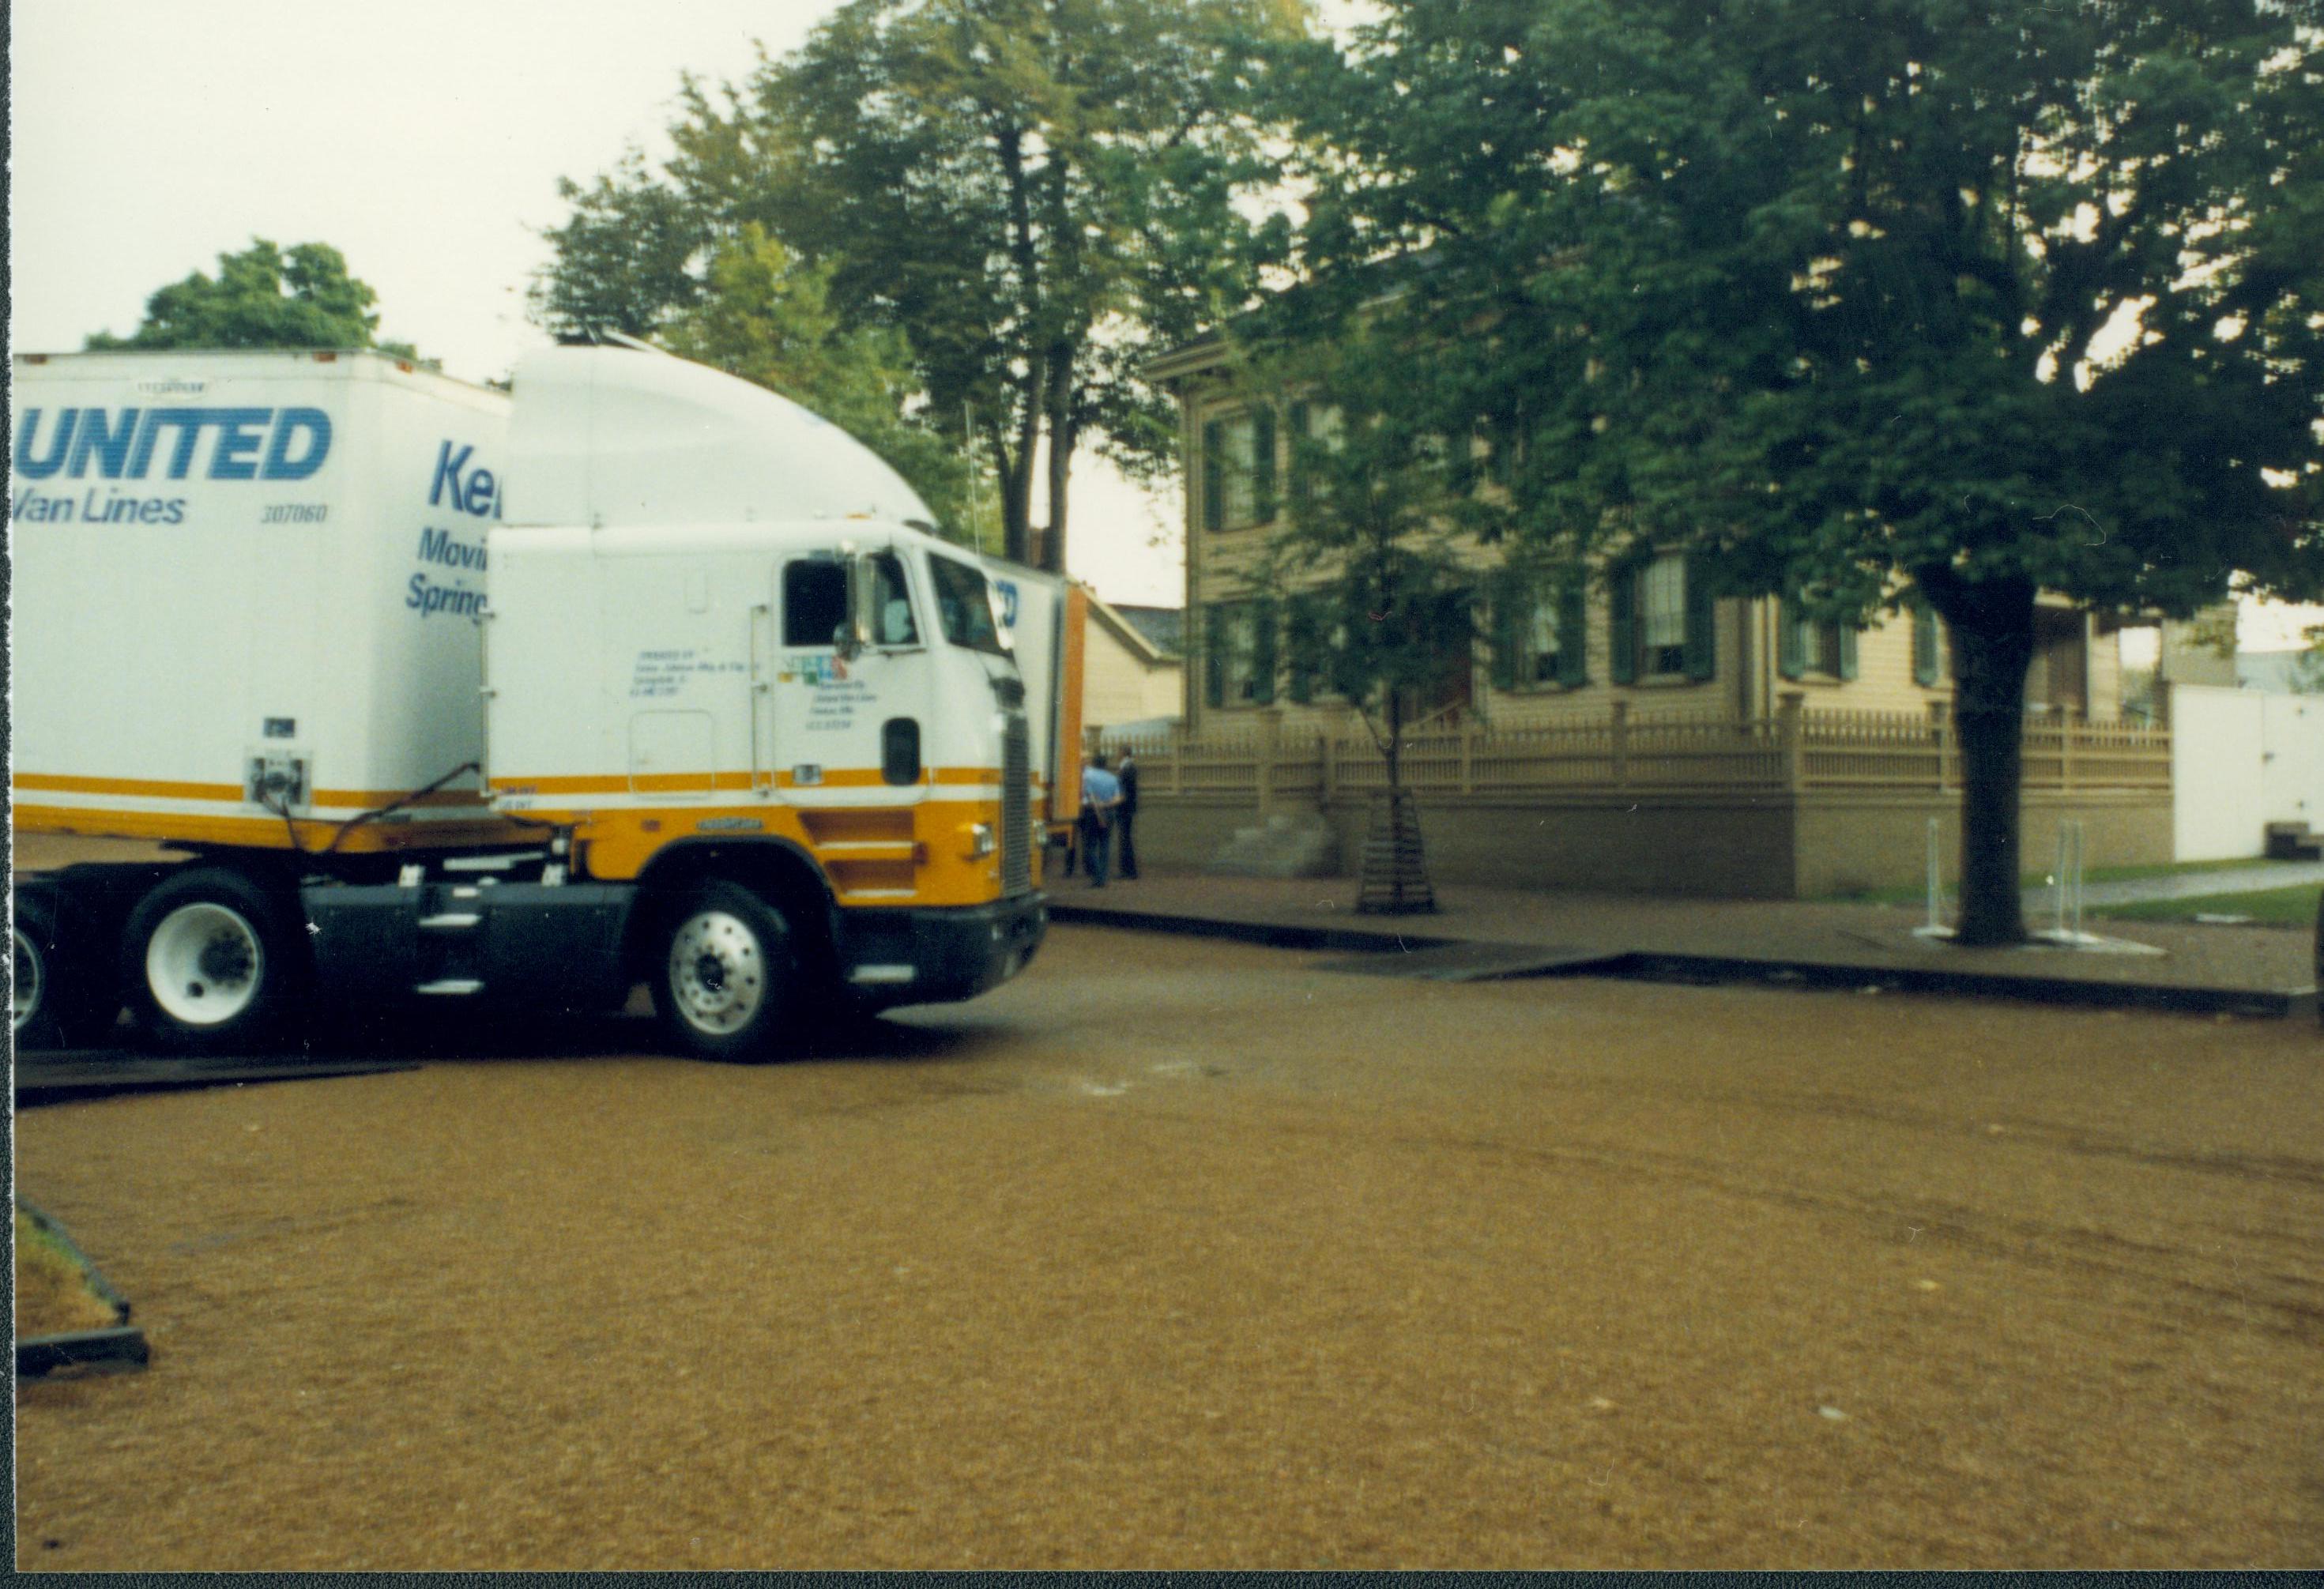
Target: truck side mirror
(863, 605)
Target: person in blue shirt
(1101, 794)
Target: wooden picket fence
(1620, 751)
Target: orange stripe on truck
(156, 788)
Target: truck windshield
(964, 607)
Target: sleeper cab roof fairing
(608, 436)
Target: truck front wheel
(213, 963)
(723, 983)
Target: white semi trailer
(640, 674)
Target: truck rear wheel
(724, 979)
(213, 963)
(57, 995)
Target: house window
(1239, 661)
(1538, 659)
(1241, 638)
(1239, 470)
(1539, 635)
(1807, 645)
(1308, 641)
(1925, 665)
(1820, 645)
(1314, 428)
(1662, 616)
(1660, 623)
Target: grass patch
(1914, 893)
(2272, 907)
(53, 1295)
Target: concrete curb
(122, 1349)
(1273, 934)
(1649, 965)
(67, 1075)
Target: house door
(2059, 680)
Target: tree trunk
(1014, 469)
(1062, 438)
(1992, 626)
(1017, 480)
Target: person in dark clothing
(1100, 795)
(1125, 816)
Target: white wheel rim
(204, 964)
(717, 973)
(27, 988)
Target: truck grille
(1016, 806)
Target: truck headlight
(976, 839)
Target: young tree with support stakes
(1873, 302)
(1363, 578)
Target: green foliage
(263, 297)
(1035, 193)
(628, 258)
(1822, 286)
(768, 318)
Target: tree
(1035, 192)
(263, 297)
(768, 319)
(1871, 301)
(1364, 578)
(632, 256)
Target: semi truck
(433, 692)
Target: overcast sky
(423, 139)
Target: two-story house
(1636, 652)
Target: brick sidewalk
(2200, 968)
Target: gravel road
(1180, 1254)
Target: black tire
(726, 976)
(61, 997)
(214, 963)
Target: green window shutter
(1262, 466)
(1502, 597)
(1214, 655)
(1622, 614)
(1701, 628)
(1215, 479)
(1924, 643)
(1299, 649)
(1299, 483)
(1262, 653)
(1847, 650)
(1574, 635)
(1790, 643)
